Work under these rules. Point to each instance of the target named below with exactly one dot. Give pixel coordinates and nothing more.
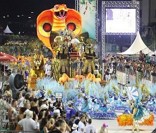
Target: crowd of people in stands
(30, 114)
(143, 63)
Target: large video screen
(120, 20)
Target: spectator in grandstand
(74, 128)
(21, 114)
(70, 111)
(107, 75)
(28, 124)
(8, 93)
(12, 111)
(50, 124)
(59, 127)
(44, 125)
(21, 99)
(34, 106)
(90, 128)
(82, 124)
(141, 56)
(3, 104)
(147, 59)
(103, 128)
(27, 104)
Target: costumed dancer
(48, 68)
(136, 116)
(27, 69)
(79, 65)
(139, 114)
(96, 72)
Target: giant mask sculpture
(56, 19)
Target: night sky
(21, 15)
(14, 7)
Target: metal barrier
(124, 78)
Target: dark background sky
(25, 6)
(11, 8)
(30, 5)
(22, 14)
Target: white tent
(152, 53)
(137, 46)
(7, 30)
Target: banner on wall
(88, 12)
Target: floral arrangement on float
(127, 120)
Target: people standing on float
(48, 68)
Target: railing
(124, 77)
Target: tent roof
(7, 30)
(137, 46)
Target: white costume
(48, 69)
(81, 127)
(90, 129)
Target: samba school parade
(65, 79)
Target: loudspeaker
(16, 82)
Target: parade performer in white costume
(48, 68)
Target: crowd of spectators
(143, 63)
(40, 115)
